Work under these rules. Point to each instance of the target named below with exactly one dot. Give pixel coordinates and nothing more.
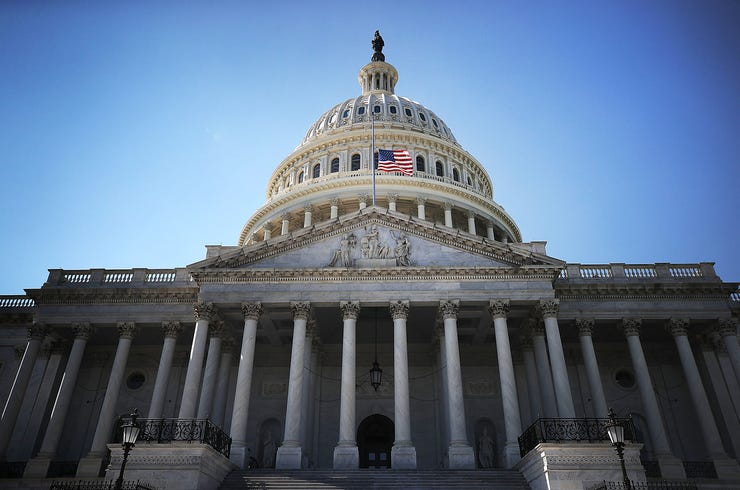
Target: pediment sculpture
(373, 250)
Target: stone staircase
(374, 479)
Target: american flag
(395, 161)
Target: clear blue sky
(134, 133)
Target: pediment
(377, 240)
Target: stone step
(374, 480)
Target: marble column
(38, 466)
(499, 309)
(36, 334)
(90, 465)
(307, 399)
(471, 222)
(217, 331)
(156, 407)
(448, 214)
(334, 210)
(728, 374)
(727, 469)
(585, 331)
(489, 231)
(670, 466)
(563, 395)
(444, 399)
(346, 454)
(460, 453)
(307, 210)
(547, 391)
(728, 331)
(204, 313)
(392, 198)
(252, 312)
(725, 387)
(420, 211)
(403, 453)
(289, 454)
(222, 384)
(267, 231)
(533, 385)
(284, 223)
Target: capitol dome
(329, 173)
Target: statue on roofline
(378, 48)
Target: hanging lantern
(376, 375)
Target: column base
(727, 468)
(403, 457)
(37, 467)
(511, 454)
(288, 458)
(90, 466)
(346, 458)
(671, 467)
(238, 455)
(461, 457)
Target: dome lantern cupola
(378, 76)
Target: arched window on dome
(420, 167)
(455, 175)
(355, 162)
(316, 170)
(377, 109)
(393, 109)
(440, 169)
(300, 178)
(335, 165)
(470, 181)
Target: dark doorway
(375, 439)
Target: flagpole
(372, 151)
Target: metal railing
(163, 431)
(570, 430)
(99, 485)
(648, 485)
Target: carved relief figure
(342, 255)
(403, 250)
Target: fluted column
(448, 214)
(346, 454)
(563, 395)
(284, 223)
(307, 210)
(585, 331)
(334, 210)
(171, 330)
(222, 384)
(392, 198)
(499, 309)
(544, 374)
(217, 331)
(267, 231)
(670, 466)
(403, 453)
(240, 412)
(36, 334)
(533, 385)
(460, 454)
(289, 454)
(204, 313)
(726, 469)
(471, 222)
(89, 466)
(728, 331)
(420, 211)
(37, 467)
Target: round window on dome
(361, 110)
(625, 378)
(135, 380)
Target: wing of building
(375, 320)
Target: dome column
(334, 212)
(420, 211)
(471, 222)
(363, 198)
(448, 214)
(267, 231)
(489, 231)
(285, 223)
(392, 198)
(307, 209)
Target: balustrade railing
(163, 431)
(570, 430)
(648, 485)
(16, 301)
(117, 277)
(639, 272)
(735, 296)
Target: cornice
(643, 292)
(74, 296)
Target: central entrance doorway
(375, 440)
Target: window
(455, 175)
(624, 378)
(408, 112)
(420, 164)
(316, 170)
(335, 165)
(355, 161)
(345, 114)
(361, 110)
(393, 109)
(300, 177)
(440, 169)
(135, 380)
(434, 121)
(376, 109)
(422, 117)
(470, 182)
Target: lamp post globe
(615, 430)
(130, 432)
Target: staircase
(374, 479)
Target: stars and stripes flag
(395, 161)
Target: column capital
(301, 310)
(171, 329)
(449, 308)
(399, 309)
(470, 213)
(727, 327)
(285, 216)
(549, 307)
(421, 200)
(392, 197)
(334, 201)
(204, 311)
(447, 205)
(308, 207)
(267, 226)
(59, 347)
(364, 198)
(217, 328)
(585, 327)
(499, 308)
(37, 331)
(350, 309)
(535, 326)
(679, 327)
(252, 310)
(631, 327)
(126, 330)
(82, 330)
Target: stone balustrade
(639, 272)
(118, 277)
(16, 301)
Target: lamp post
(130, 432)
(616, 436)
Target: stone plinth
(461, 457)
(174, 466)
(574, 466)
(346, 458)
(288, 457)
(403, 458)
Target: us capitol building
(385, 321)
